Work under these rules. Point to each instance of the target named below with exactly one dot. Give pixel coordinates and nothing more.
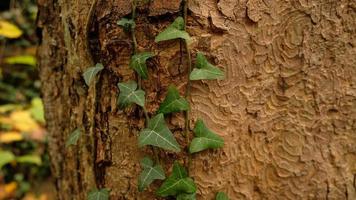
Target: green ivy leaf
(221, 196)
(127, 24)
(205, 138)
(138, 63)
(6, 158)
(173, 102)
(174, 31)
(149, 173)
(73, 137)
(186, 196)
(129, 94)
(177, 183)
(157, 134)
(96, 194)
(91, 72)
(204, 70)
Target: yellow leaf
(23, 122)
(9, 30)
(10, 188)
(12, 136)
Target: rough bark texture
(287, 109)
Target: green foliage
(173, 102)
(174, 31)
(205, 139)
(73, 137)
(91, 72)
(102, 194)
(205, 70)
(221, 196)
(157, 134)
(138, 63)
(129, 94)
(22, 60)
(30, 159)
(149, 173)
(127, 24)
(6, 158)
(37, 110)
(187, 196)
(177, 183)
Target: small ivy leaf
(204, 70)
(73, 137)
(127, 24)
(177, 183)
(102, 194)
(138, 63)
(221, 196)
(205, 138)
(129, 94)
(186, 196)
(91, 72)
(174, 31)
(157, 134)
(149, 173)
(173, 102)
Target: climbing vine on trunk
(156, 133)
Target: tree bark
(286, 110)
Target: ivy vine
(156, 133)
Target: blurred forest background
(24, 163)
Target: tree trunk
(286, 110)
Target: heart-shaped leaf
(6, 158)
(73, 137)
(129, 94)
(149, 173)
(221, 196)
(173, 102)
(138, 63)
(157, 134)
(205, 138)
(91, 72)
(174, 31)
(102, 194)
(204, 70)
(177, 183)
(186, 196)
(127, 24)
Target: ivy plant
(149, 174)
(174, 31)
(129, 94)
(127, 24)
(204, 70)
(91, 72)
(221, 196)
(73, 137)
(158, 134)
(186, 196)
(173, 102)
(96, 194)
(205, 138)
(138, 63)
(177, 183)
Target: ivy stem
(188, 87)
(139, 79)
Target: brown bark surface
(287, 109)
